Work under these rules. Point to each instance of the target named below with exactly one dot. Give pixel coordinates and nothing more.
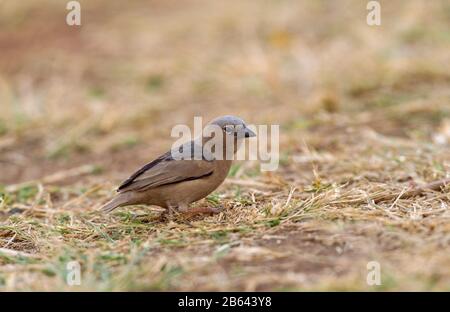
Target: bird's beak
(249, 133)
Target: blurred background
(364, 113)
(115, 85)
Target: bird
(173, 182)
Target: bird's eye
(228, 129)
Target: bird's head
(233, 126)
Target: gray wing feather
(166, 170)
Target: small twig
(289, 197)
(398, 197)
(10, 240)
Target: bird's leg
(169, 212)
(172, 209)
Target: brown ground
(363, 112)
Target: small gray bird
(174, 183)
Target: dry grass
(364, 114)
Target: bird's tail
(119, 200)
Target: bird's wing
(166, 170)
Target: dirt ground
(364, 115)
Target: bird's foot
(168, 215)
